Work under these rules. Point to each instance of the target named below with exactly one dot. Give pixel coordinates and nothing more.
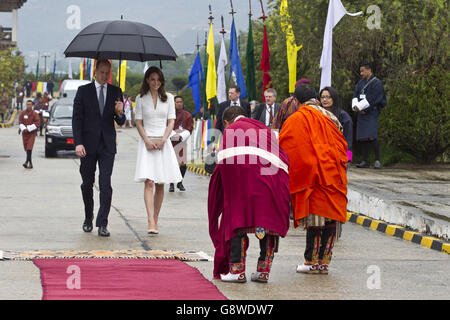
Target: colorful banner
(291, 45)
(211, 77)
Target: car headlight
(54, 130)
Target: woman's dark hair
(145, 87)
(336, 108)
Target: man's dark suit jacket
(225, 105)
(87, 124)
(259, 113)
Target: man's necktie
(271, 116)
(101, 100)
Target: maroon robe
(183, 122)
(247, 190)
(28, 118)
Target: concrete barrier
(394, 213)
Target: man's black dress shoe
(180, 186)
(171, 188)
(103, 232)
(87, 226)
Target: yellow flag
(81, 70)
(211, 77)
(291, 45)
(123, 75)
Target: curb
(399, 232)
(199, 171)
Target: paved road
(42, 209)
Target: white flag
(336, 12)
(146, 67)
(70, 70)
(221, 84)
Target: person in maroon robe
(249, 190)
(28, 124)
(184, 124)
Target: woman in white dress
(156, 162)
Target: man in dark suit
(96, 106)
(233, 94)
(265, 112)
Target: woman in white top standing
(156, 162)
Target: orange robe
(317, 172)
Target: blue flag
(194, 81)
(235, 62)
(54, 68)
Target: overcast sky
(49, 25)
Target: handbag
(155, 139)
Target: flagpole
(263, 17)
(223, 29)
(211, 18)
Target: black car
(58, 132)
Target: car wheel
(50, 152)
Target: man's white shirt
(98, 88)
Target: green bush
(417, 118)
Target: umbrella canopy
(120, 40)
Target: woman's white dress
(160, 166)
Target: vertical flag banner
(250, 57)
(81, 71)
(195, 77)
(235, 62)
(70, 70)
(110, 72)
(265, 64)
(291, 45)
(221, 84)
(88, 68)
(37, 68)
(336, 12)
(54, 68)
(211, 77)
(146, 66)
(123, 75)
(84, 69)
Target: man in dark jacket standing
(368, 100)
(266, 112)
(234, 94)
(96, 106)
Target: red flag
(110, 73)
(265, 64)
(84, 68)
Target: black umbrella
(120, 40)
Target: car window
(63, 111)
(71, 93)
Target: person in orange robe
(28, 124)
(312, 137)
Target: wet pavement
(42, 209)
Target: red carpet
(123, 279)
